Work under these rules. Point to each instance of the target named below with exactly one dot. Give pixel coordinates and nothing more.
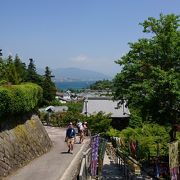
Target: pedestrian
(81, 133)
(79, 124)
(70, 137)
(85, 126)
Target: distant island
(76, 75)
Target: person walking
(85, 126)
(81, 133)
(70, 137)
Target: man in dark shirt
(70, 137)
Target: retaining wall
(21, 140)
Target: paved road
(52, 165)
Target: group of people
(71, 134)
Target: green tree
(11, 74)
(2, 71)
(148, 138)
(49, 89)
(32, 75)
(20, 68)
(75, 106)
(150, 78)
(101, 85)
(99, 123)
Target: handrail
(130, 167)
(85, 164)
(132, 163)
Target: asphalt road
(52, 165)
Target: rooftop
(108, 106)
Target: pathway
(52, 165)
(111, 170)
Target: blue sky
(87, 34)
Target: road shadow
(65, 152)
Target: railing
(130, 167)
(84, 173)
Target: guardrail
(130, 167)
(84, 173)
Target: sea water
(77, 85)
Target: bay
(76, 85)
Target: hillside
(76, 74)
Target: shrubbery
(99, 123)
(19, 98)
(147, 139)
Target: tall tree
(150, 78)
(49, 89)
(11, 74)
(2, 71)
(32, 75)
(20, 68)
(31, 71)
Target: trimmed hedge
(19, 98)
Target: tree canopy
(49, 89)
(101, 85)
(14, 71)
(150, 76)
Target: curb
(74, 166)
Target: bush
(135, 118)
(75, 106)
(148, 137)
(113, 132)
(62, 119)
(19, 98)
(99, 123)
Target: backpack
(70, 132)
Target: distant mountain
(76, 74)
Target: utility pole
(86, 110)
(1, 52)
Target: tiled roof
(107, 106)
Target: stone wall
(21, 140)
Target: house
(118, 111)
(66, 97)
(54, 109)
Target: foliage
(2, 71)
(148, 138)
(73, 117)
(135, 119)
(101, 85)
(32, 75)
(75, 106)
(73, 114)
(49, 89)
(112, 132)
(99, 123)
(62, 119)
(56, 102)
(150, 78)
(20, 69)
(19, 98)
(13, 71)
